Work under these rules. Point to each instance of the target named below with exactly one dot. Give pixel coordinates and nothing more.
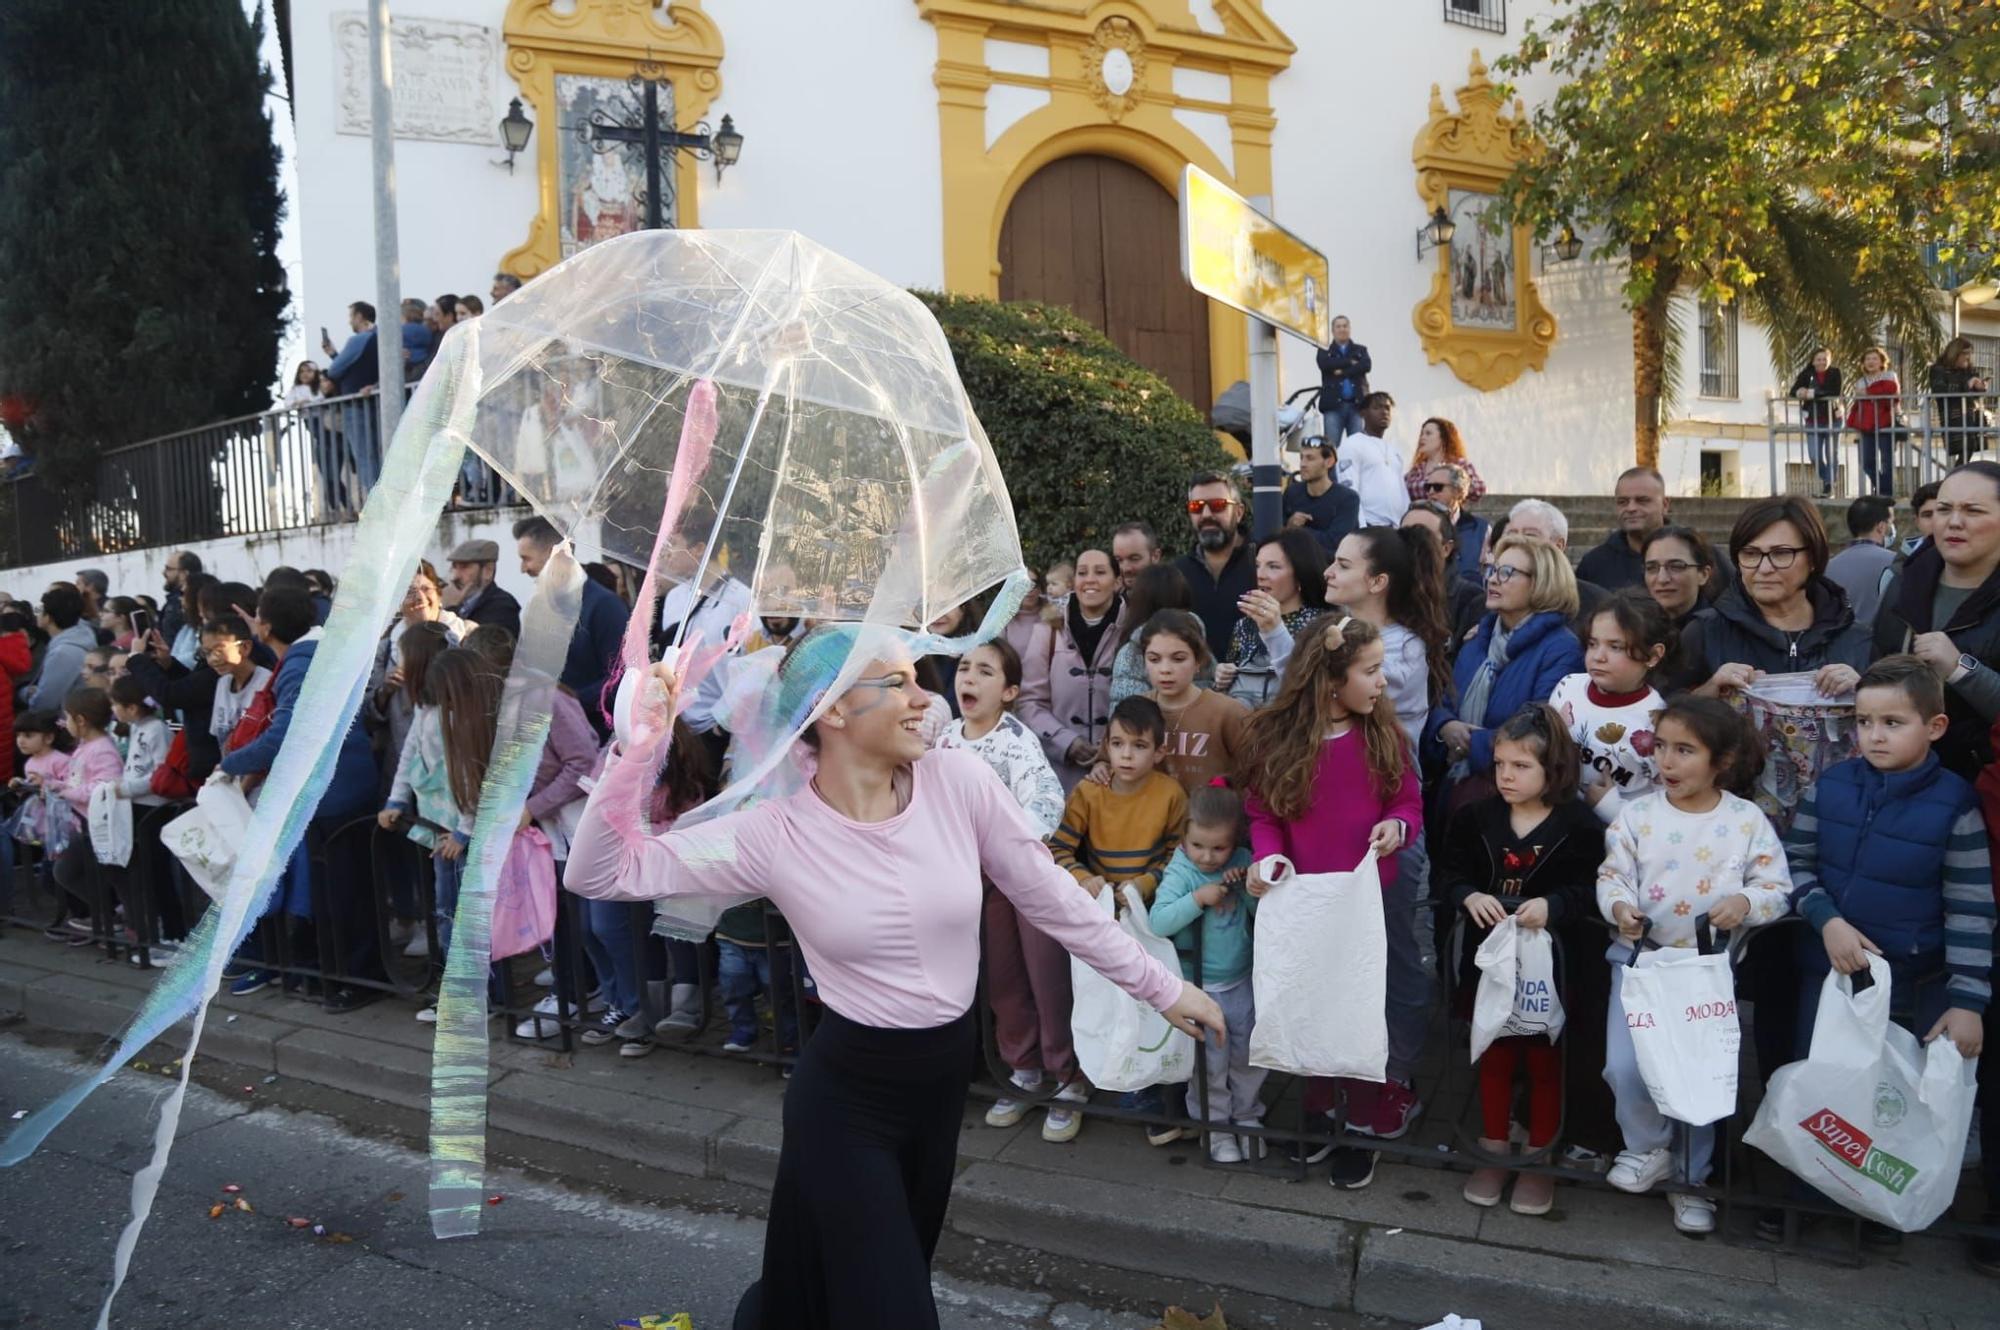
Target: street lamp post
(603, 134)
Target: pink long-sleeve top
(95, 762)
(887, 913)
(1332, 836)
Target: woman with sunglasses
(877, 865)
(1783, 616)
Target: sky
(293, 348)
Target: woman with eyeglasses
(1683, 577)
(1066, 673)
(877, 863)
(1945, 606)
(1783, 616)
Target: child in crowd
(1125, 831)
(43, 819)
(1533, 842)
(1201, 893)
(228, 646)
(1204, 728)
(1695, 847)
(146, 740)
(1609, 708)
(420, 792)
(1332, 780)
(95, 762)
(1056, 585)
(748, 963)
(1889, 856)
(1027, 974)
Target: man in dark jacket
(1343, 382)
(600, 625)
(1221, 568)
(173, 614)
(1319, 503)
(1641, 495)
(479, 599)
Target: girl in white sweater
(1691, 849)
(1610, 708)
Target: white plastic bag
(1319, 972)
(207, 838)
(1680, 1008)
(110, 826)
(1121, 1043)
(1517, 986)
(1871, 1118)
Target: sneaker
(1638, 1171)
(1693, 1214)
(1534, 1194)
(537, 1027)
(1396, 1109)
(592, 1005)
(1770, 1225)
(739, 1043)
(1578, 1157)
(155, 957)
(235, 970)
(636, 1048)
(605, 1028)
(1304, 1154)
(427, 1016)
(1486, 1185)
(1008, 1112)
(253, 982)
(545, 978)
(1352, 1168)
(1062, 1124)
(1224, 1148)
(1253, 1147)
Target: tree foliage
(1086, 437)
(1806, 157)
(139, 211)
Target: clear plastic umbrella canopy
(848, 478)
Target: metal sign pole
(1266, 504)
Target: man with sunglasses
(1319, 503)
(1446, 485)
(1619, 561)
(1221, 568)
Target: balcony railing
(292, 467)
(1815, 450)
(1486, 15)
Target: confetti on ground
(249, 1089)
(495, 1200)
(272, 1079)
(1392, 1232)
(299, 1221)
(142, 1066)
(244, 1206)
(319, 1230)
(230, 1021)
(231, 1187)
(215, 1211)
(20, 1113)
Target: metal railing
(1916, 437)
(1486, 15)
(295, 466)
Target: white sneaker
(592, 1006)
(1253, 1147)
(1693, 1214)
(1008, 1112)
(1062, 1124)
(1638, 1170)
(545, 978)
(428, 1016)
(1223, 1148)
(537, 1027)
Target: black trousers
(871, 1138)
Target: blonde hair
(1553, 581)
(1875, 351)
(1288, 734)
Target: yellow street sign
(1233, 253)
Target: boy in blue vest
(1889, 856)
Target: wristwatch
(1967, 663)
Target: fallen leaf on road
(244, 1206)
(1179, 1319)
(215, 1211)
(299, 1221)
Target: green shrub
(1086, 437)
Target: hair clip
(1339, 630)
(1218, 782)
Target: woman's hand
(1261, 608)
(1081, 753)
(388, 818)
(157, 648)
(1099, 774)
(657, 703)
(1533, 914)
(1730, 911)
(1386, 837)
(1456, 736)
(1093, 884)
(449, 848)
(1194, 1012)
(527, 820)
(1631, 924)
(1836, 679)
(393, 680)
(1964, 1028)
(1847, 948)
(1939, 652)
(1485, 910)
(1225, 675)
(1731, 678)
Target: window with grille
(1718, 350)
(1487, 15)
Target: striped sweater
(1911, 899)
(1122, 837)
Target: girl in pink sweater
(95, 762)
(1332, 782)
(876, 864)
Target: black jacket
(1734, 631)
(1613, 563)
(1343, 365)
(1955, 411)
(1215, 598)
(1570, 850)
(495, 606)
(1824, 407)
(1970, 703)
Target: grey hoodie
(62, 664)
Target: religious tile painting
(603, 193)
(1482, 267)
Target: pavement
(1116, 1220)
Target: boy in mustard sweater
(1127, 831)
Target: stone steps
(1592, 515)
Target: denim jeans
(1823, 445)
(742, 973)
(1878, 460)
(363, 428)
(1340, 419)
(444, 895)
(611, 943)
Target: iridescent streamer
(400, 519)
(459, 1059)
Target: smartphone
(323, 338)
(142, 622)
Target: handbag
(172, 779)
(524, 895)
(256, 717)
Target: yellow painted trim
(1476, 148)
(606, 39)
(1083, 116)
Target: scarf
(1087, 636)
(1472, 706)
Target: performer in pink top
(876, 865)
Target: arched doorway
(1103, 238)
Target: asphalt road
(547, 1256)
